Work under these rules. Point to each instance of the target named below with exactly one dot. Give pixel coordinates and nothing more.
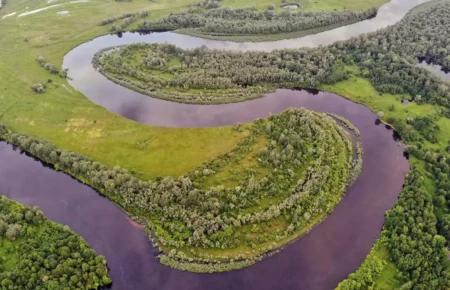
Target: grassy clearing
(66, 118)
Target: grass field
(65, 117)
(361, 90)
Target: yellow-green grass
(234, 173)
(389, 106)
(65, 117)
(70, 121)
(361, 90)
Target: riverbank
(28, 240)
(28, 115)
(226, 240)
(336, 225)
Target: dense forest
(298, 166)
(38, 254)
(211, 76)
(208, 18)
(417, 229)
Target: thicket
(307, 163)
(210, 19)
(413, 240)
(39, 254)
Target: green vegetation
(307, 5)
(210, 20)
(210, 76)
(247, 20)
(300, 165)
(380, 72)
(66, 118)
(38, 254)
(377, 272)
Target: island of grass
(285, 176)
(36, 253)
(203, 76)
(249, 21)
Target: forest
(299, 164)
(36, 253)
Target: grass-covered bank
(380, 71)
(36, 253)
(286, 176)
(66, 118)
(385, 60)
(251, 24)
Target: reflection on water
(435, 69)
(317, 261)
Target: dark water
(435, 69)
(319, 260)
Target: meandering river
(319, 260)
